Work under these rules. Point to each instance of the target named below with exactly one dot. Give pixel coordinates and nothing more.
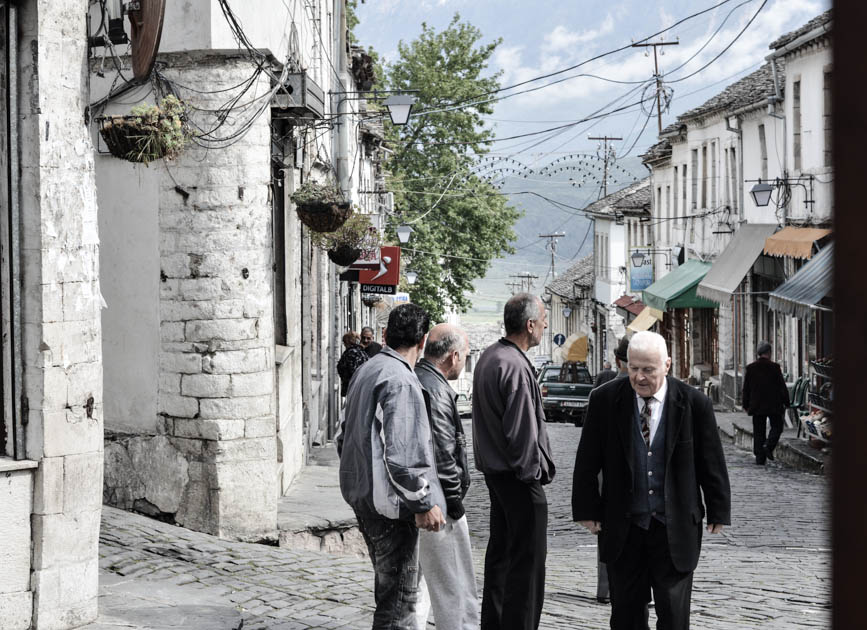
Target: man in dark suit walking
(765, 398)
(656, 442)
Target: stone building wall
(211, 462)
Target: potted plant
(352, 240)
(321, 207)
(148, 132)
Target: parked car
(565, 391)
(465, 405)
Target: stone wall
(211, 463)
(60, 311)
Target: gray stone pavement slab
(770, 569)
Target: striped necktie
(645, 420)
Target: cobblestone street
(770, 569)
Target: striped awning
(800, 295)
(677, 288)
(796, 242)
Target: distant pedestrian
(605, 375)
(367, 342)
(510, 444)
(351, 359)
(655, 439)
(765, 398)
(446, 556)
(603, 592)
(387, 466)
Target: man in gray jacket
(387, 466)
(510, 443)
(446, 557)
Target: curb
(785, 453)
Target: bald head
(447, 347)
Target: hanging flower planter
(148, 133)
(370, 299)
(355, 239)
(321, 206)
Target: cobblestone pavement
(771, 569)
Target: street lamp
(639, 259)
(761, 193)
(399, 107)
(403, 234)
(567, 312)
(411, 276)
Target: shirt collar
(659, 395)
(430, 367)
(396, 355)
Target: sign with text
(640, 277)
(387, 272)
(379, 289)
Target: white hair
(648, 342)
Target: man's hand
(593, 526)
(714, 528)
(432, 520)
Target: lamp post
(403, 234)
(761, 192)
(399, 102)
(567, 311)
(411, 277)
(639, 259)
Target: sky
(545, 36)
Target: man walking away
(445, 557)
(605, 375)
(510, 444)
(387, 466)
(656, 442)
(765, 397)
(367, 342)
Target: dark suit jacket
(765, 391)
(694, 465)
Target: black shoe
(769, 454)
(603, 600)
(760, 461)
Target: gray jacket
(387, 465)
(509, 433)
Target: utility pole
(606, 155)
(656, 75)
(552, 245)
(513, 286)
(525, 277)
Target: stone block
(82, 342)
(197, 508)
(300, 541)
(82, 482)
(121, 483)
(221, 329)
(353, 542)
(237, 407)
(177, 406)
(69, 431)
(247, 498)
(65, 596)
(16, 610)
(161, 469)
(234, 451)
(170, 383)
(206, 385)
(80, 301)
(238, 361)
(171, 331)
(332, 542)
(201, 289)
(84, 382)
(48, 486)
(209, 429)
(169, 289)
(181, 362)
(260, 427)
(15, 499)
(253, 384)
(183, 311)
(65, 539)
(52, 302)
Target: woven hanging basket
(344, 255)
(323, 217)
(128, 139)
(371, 299)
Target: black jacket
(695, 469)
(765, 391)
(449, 441)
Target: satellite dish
(146, 22)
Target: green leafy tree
(461, 222)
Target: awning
(646, 318)
(801, 294)
(630, 304)
(677, 289)
(733, 264)
(796, 242)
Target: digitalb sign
(381, 289)
(385, 279)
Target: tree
(461, 222)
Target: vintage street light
(639, 259)
(411, 276)
(567, 312)
(761, 193)
(403, 234)
(399, 107)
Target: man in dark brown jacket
(511, 448)
(765, 398)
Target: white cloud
(562, 39)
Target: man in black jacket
(446, 557)
(765, 397)
(656, 442)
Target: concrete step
(792, 452)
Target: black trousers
(645, 564)
(514, 587)
(762, 444)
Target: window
(694, 178)
(796, 123)
(733, 169)
(826, 91)
(668, 212)
(763, 149)
(704, 182)
(713, 200)
(674, 208)
(683, 188)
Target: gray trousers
(446, 562)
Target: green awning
(677, 288)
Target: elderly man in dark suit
(656, 442)
(765, 398)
